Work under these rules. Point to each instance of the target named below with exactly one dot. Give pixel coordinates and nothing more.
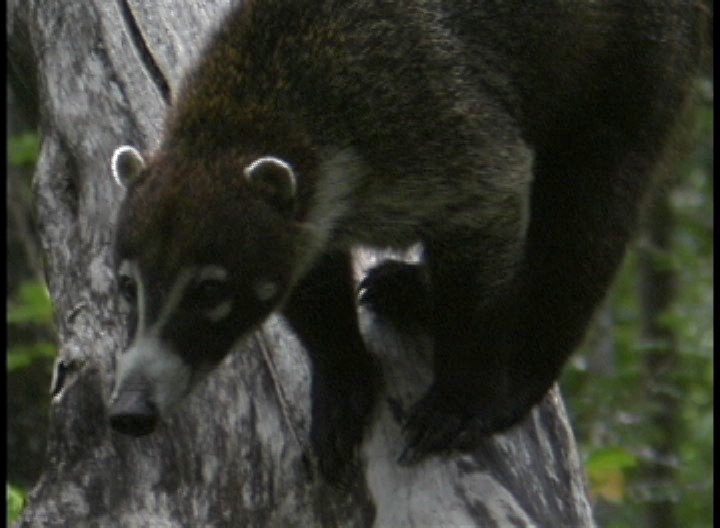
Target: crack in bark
(144, 51)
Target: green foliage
(30, 333)
(610, 458)
(30, 306)
(16, 499)
(606, 471)
(24, 149)
(611, 412)
(22, 356)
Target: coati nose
(133, 413)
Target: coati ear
(274, 180)
(127, 165)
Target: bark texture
(102, 73)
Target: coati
(515, 140)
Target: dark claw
(439, 423)
(431, 428)
(366, 294)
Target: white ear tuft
(127, 164)
(274, 179)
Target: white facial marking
(141, 300)
(277, 161)
(151, 363)
(265, 289)
(124, 270)
(172, 300)
(130, 269)
(220, 312)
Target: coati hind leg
(322, 312)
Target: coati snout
(133, 413)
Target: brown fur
(514, 139)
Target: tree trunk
(104, 72)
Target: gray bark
(104, 72)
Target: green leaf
(31, 304)
(16, 499)
(22, 356)
(609, 458)
(606, 471)
(24, 149)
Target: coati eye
(127, 289)
(210, 293)
(207, 294)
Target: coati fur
(515, 140)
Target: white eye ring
(220, 312)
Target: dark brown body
(515, 140)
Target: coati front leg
(321, 310)
(497, 355)
(474, 324)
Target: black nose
(133, 413)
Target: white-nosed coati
(514, 139)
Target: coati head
(203, 253)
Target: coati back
(515, 140)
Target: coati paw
(432, 427)
(338, 424)
(439, 423)
(398, 292)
